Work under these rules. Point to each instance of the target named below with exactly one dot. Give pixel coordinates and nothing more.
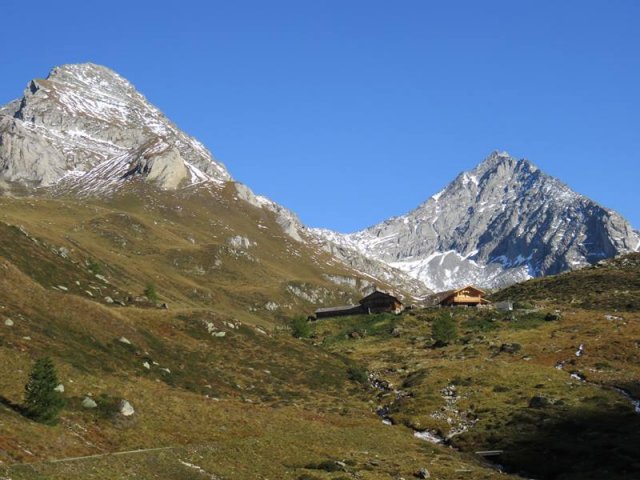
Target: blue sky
(349, 112)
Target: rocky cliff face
(85, 120)
(502, 222)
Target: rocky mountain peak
(501, 222)
(88, 74)
(85, 125)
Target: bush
(150, 292)
(357, 374)
(444, 330)
(300, 328)
(42, 402)
(94, 266)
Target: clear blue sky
(349, 112)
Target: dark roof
(380, 292)
(341, 308)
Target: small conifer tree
(300, 327)
(42, 402)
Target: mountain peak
(85, 118)
(82, 71)
(88, 76)
(501, 222)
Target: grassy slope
(255, 403)
(587, 430)
(612, 284)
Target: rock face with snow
(502, 222)
(85, 126)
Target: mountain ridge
(502, 222)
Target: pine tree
(42, 402)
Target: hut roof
(341, 308)
(378, 292)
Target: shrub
(150, 292)
(444, 330)
(300, 328)
(93, 266)
(357, 374)
(42, 402)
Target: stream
(635, 402)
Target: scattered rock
(219, 334)
(164, 306)
(124, 340)
(89, 402)
(8, 322)
(120, 302)
(102, 278)
(63, 288)
(125, 408)
(108, 299)
(580, 350)
(241, 242)
(538, 401)
(146, 365)
(510, 347)
(553, 316)
(271, 306)
(613, 317)
(59, 388)
(449, 391)
(578, 376)
(423, 473)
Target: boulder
(125, 408)
(423, 473)
(510, 347)
(538, 401)
(59, 388)
(553, 316)
(8, 322)
(89, 402)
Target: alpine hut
(469, 296)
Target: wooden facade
(467, 296)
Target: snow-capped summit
(502, 222)
(84, 121)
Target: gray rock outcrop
(85, 119)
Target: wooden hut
(379, 301)
(469, 296)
